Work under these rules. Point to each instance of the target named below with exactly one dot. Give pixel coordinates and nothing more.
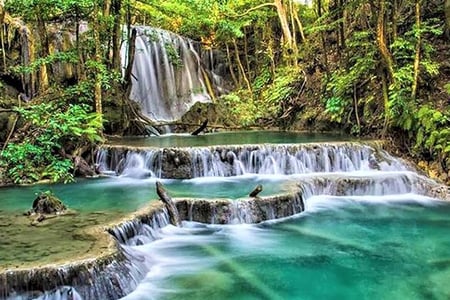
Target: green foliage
(47, 9)
(261, 81)
(242, 108)
(335, 106)
(447, 88)
(402, 107)
(107, 77)
(433, 133)
(342, 82)
(278, 92)
(67, 56)
(53, 125)
(174, 56)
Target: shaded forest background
(377, 69)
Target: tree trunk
(288, 43)
(386, 103)
(98, 60)
(381, 39)
(319, 8)
(117, 34)
(299, 24)
(44, 52)
(394, 19)
(417, 55)
(130, 62)
(341, 35)
(447, 17)
(2, 33)
(247, 62)
(230, 67)
(241, 67)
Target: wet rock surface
(47, 203)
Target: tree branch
(252, 9)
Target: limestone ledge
(106, 272)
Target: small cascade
(377, 184)
(223, 161)
(168, 77)
(141, 230)
(107, 277)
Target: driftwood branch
(201, 128)
(256, 191)
(167, 200)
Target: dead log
(256, 191)
(167, 200)
(201, 128)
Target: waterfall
(168, 77)
(223, 161)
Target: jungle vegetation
(374, 68)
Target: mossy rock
(47, 203)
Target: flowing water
(369, 229)
(95, 202)
(168, 77)
(364, 247)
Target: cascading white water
(322, 172)
(258, 159)
(167, 75)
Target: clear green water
(127, 194)
(95, 202)
(228, 138)
(341, 248)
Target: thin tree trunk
(130, 62)
(394, 19)
(299, 25)
(241, 67)
(2, 33)
(44, 52)
(417, 55)
(117, 33)
(386, 103)
(230, 66)
(98, 60)
(381, 39)
(322, 39)
(447, 17)
(288, 46)
(341, 16)
(80, 74)
(319, 8)
(247, 62)
(355, 102)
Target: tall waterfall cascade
(168, 75)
